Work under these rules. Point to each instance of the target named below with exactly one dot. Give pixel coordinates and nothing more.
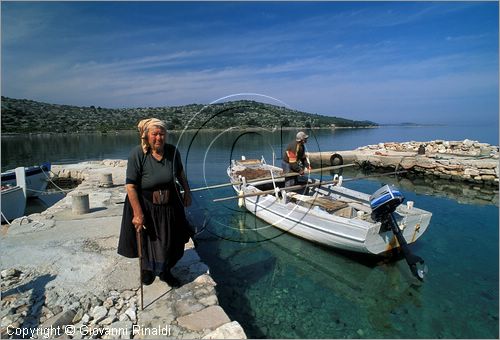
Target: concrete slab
(210, 317)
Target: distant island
(23, 115)
(409, 124)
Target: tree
(253, 122)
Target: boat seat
(247, 162)
(323, 202)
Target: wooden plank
(328, 204)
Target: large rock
(59, 320)
(407, 163)
(99, 313)
(205, 280)
(11, 272)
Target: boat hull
(320, 227)
(36, 179)
(13, 203)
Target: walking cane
(139, 250)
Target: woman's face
(156, 137)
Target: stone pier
(61, 274)
(467, 160)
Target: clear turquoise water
(289, 288)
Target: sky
(388, 62)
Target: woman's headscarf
(143, 128)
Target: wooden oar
(290, 174)
(302, 186)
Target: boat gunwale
(9, 175)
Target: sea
(279, 286)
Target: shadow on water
(233, 276)
(36, 301)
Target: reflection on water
(462, 192)
(29, 150)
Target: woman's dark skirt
(163, 240)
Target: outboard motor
(384, 202)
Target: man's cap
(301, 136)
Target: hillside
(22, 115)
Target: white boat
(36, 179)
(13, 198)
(328, 214)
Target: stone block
(487, 164)
(407, 163)
(471, 172)
(231, 330)
(487, 172)
(209, 300)
(185, 307)
(208, 318)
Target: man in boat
(295, 160)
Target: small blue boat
(37, 178)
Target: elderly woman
(153, 204)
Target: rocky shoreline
(466, 160)
(28, 311)
(61, 276)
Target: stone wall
(81, 171)
(456, 160)
(463, 148)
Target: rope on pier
(54, 184)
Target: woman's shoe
(170, 279)
(147, 277)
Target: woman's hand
(187, 198)
(138, 219)
(138, 222)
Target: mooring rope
(54, 184)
